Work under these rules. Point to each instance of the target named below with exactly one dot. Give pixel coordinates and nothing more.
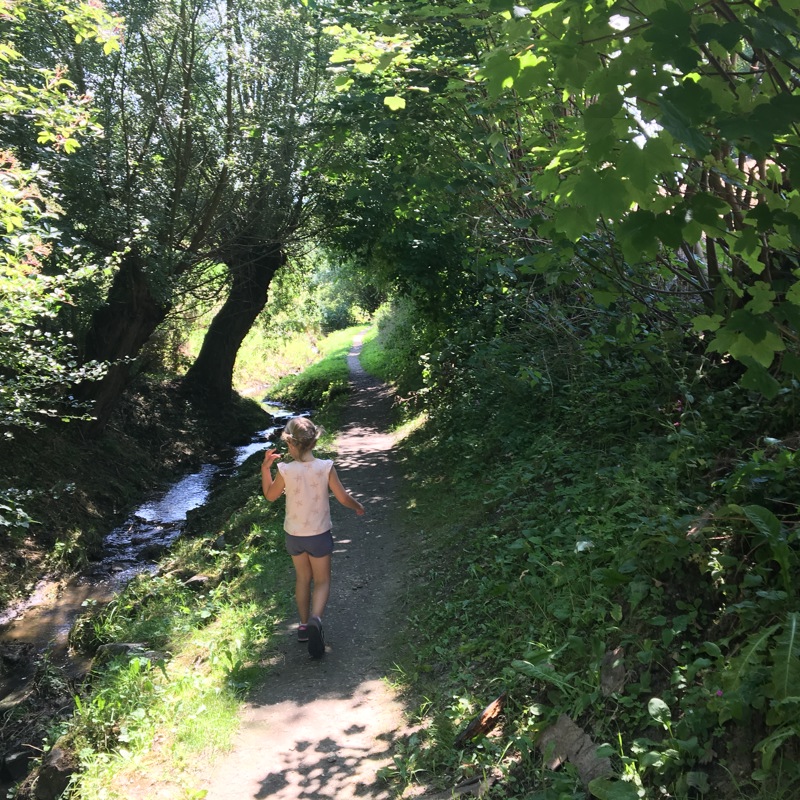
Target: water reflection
(159, 521)
(44, 619)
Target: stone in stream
(151, 552)
(16, 764)
(55, 773)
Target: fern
(786, 657)
(750, 655)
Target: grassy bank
(203, 627)
(623, 561)
(614, 550)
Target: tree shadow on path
(323, 728)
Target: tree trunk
(210, 378)
(118, 330)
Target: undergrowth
(612, 540)
(202, 628)
(176, 651)
(323, 381)
(605, 538)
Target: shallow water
(41, 623)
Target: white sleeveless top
(308, 508)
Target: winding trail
(322, 729)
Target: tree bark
(118, 331)
(210, 378)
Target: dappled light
(323, 728)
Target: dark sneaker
(316, 639)
(302, 633)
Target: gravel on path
(323, 728)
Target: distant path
(322, 729)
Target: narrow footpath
(323, 728)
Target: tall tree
(645, 155)
(44, 118)
(276, 71)
(146, 197)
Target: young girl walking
(307, 481)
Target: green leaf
(749, 657)
(704, 322)
(758, 379)
(766, 37)
(712, 648)
(748, 336)
(603, 194)
(790, 364)
(763, 298)
(610, 577)
(698, 780)
(638, 236)
(613, 789)
(769, 746)
(574, 222)
(762, 351)
(671, 226)
(763, 519)
(682, 110)
(501, 5)
(634, 164)
(793, 295)
(659, 711)
(786, 656)
(575, 64)
(499, 71)
(728, 35)
(708, 209)
(604, 298)
(531, 76)
(543, 9)
(394, 102)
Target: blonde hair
(302, 433)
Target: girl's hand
(359, 509)
(270, 457)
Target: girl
(306, 480)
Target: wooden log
(484, 722)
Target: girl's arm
(272, 489)
(341, 494)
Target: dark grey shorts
(316, 546)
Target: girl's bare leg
(302, 585)
(321, 572)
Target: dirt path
(322, 729)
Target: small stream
(42, 622)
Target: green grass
(391, 348)
(263, 362)
(215, 642)
(374, 357)
(156, 715)
(506, 600)
(323, 381)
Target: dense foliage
(617, 364)
(643, 155)
(587, 218)
(39, 104)
(621, 548)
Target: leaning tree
(276, 58)
(205, 110)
